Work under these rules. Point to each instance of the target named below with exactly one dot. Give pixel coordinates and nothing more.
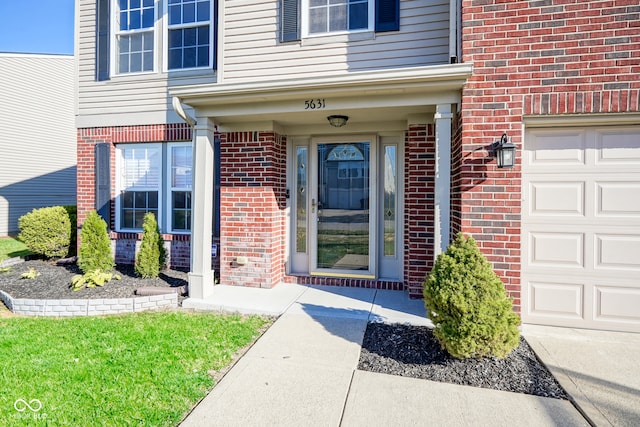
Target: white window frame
(120, 184)
(170, 188)
(165, 37)
(305, 22)
(116, 32)
(160, 32)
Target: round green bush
(151, 257)
(95, 246)
(46, 231)
(468, 304)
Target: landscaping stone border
(87, 307)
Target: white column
(442, 224)
(201, 275)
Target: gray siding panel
(38, 138)
(252, 50)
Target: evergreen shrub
(151, 257)
(95, 246)
(468, 304)
(46, 231)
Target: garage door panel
(557, 147)
(617, 146)
(553, 299)
(581, 227)
(617, 303)
(618, 252)
(618, 198)
(557, 198)
(556, 249)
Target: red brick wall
(252, 208)
(419, 170)
(533, 58)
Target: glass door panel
(343, 218)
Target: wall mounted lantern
(505, 152)
(337, 121)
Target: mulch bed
(54, 280)
(413, 351)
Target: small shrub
(151, 257)
(468, 304)
(95, 246)
(31, 274)
(92, 279)
(46, 231)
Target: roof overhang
(365, 96)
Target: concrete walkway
(302, 371)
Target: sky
(37, 26)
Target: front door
(345, 196)
(342, 223)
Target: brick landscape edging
(87, 307)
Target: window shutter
(387, 15)
(289, 20)
(102, 40)
(214, 27)
(103, 180)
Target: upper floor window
(303, 18)
(134, 35)
(189, 33)
(329, 16)
(138, 36)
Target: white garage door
(581, 227)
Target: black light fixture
(337, 121)
(505, 152)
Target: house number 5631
(314, 104)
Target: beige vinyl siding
(38, 137)
(252, 49)
(125, 99)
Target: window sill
(337, 38)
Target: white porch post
(201, 275)
(442, 224)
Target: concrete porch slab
(335, 301)
(245, 300)
(396, 307)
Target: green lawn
(10, 247)
(146, 369)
